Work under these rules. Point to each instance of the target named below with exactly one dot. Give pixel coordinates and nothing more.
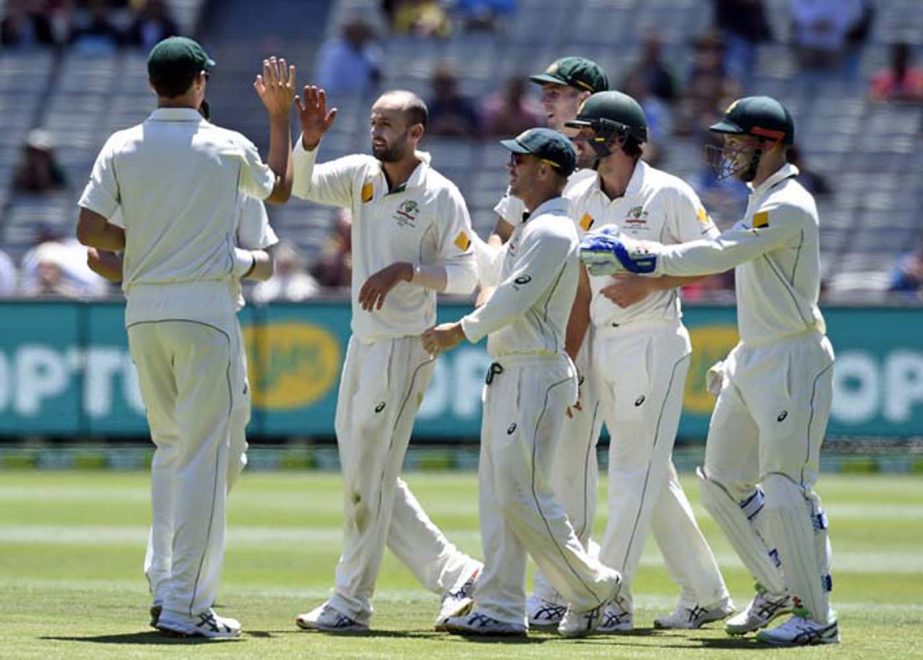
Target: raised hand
(313, 114)
(276, 86)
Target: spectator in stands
(7, 275)
(709, 89)
(484, 15)
(509, 111)
(38, 170)
(58, 266)
(94, 33)
(151, 24)
(659, 123)
(743, 26)
(289, 280)
(350, 63)
(814, 182)
(656, 76)
(901, 81)
(450, 113)
(820, 29)
(907, 275)
(26, 25)
(421, 18)
(335, 266)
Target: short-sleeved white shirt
(424, 222)
(175, 179)
(656, 206)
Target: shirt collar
(417, 178)
(635, 183)
(553, 205)
(784, 172)
(176, 114)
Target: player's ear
(416, 131)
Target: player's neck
(769, 165)
(397, 172)
(536, 197)
(615, 172)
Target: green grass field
(71, 546)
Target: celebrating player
(641, 355)
(411, 237)
(529, 387)
(763, 450)
(175, 180)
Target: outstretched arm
(276, 89)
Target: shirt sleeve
(773, 228)
(101, 194)
(489, 260)
(326, 183)
(510, 209)
(456, 245)
(253, 229)
(256, 177)
(541, 258)
(689, 221)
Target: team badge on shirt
(586, 222)
(761, 219)
(407, 212)
(462, 241)
(637, 217)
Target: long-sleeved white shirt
(776, 252)
(656, 206)
(424, 222)
(535, 273)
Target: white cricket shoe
(799, 630)
(478, 623)
(543, 614)
(458, 601)
(759, 613)
(580, 623)
(207, 624)
(327, 618)
(616, 618)
(689, 618)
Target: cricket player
(174, 182)
(529, 387)
(411, 237)
(566, 83)
(775, 388)
(253, 233)
(641, 356)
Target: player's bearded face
(733, 158)
(586, 157)
(390, 138)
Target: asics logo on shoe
(550, 612)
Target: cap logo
(732, 106)
(553, 69)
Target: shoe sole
(173, 632)
(328, 629)
(820, 641)
(658, 625)
(467, 632)
(738, 633)
(544, 625)
(462, 610)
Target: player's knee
(783, 492)
(717, 489)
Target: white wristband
(244, 261)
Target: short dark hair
(632, 148)
(173, 86)
(417, 112)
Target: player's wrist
(244, 263)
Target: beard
(391, 153)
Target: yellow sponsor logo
(710, 344)
(368, 191)
(702, 215)
(586, 222)
(761, 219)
(291, 364)
(462, 241)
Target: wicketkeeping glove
(608, 252)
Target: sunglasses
(517, 159)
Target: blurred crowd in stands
(680, 99)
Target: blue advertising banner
(65, 370)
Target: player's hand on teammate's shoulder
(627, 289)
(276, 86)
(313, 115)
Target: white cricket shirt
(536, 278)
(656, 206)
(512, 208)
(776, 252)
(175, 179)
(423, 222)
(253, 233)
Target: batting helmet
(611, 115)
(760, 117)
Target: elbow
(84, 237)
(280, 194)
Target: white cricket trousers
(159, 555)
(524, 407)
(763, 451)
(575, 473)
(191, 381)
(641, 373)
(381, 388)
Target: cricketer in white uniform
(763, 450)
(411, 237)
(642, 354)
(175, 180)
(529, 387)
(566, 83)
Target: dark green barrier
(65, 370)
